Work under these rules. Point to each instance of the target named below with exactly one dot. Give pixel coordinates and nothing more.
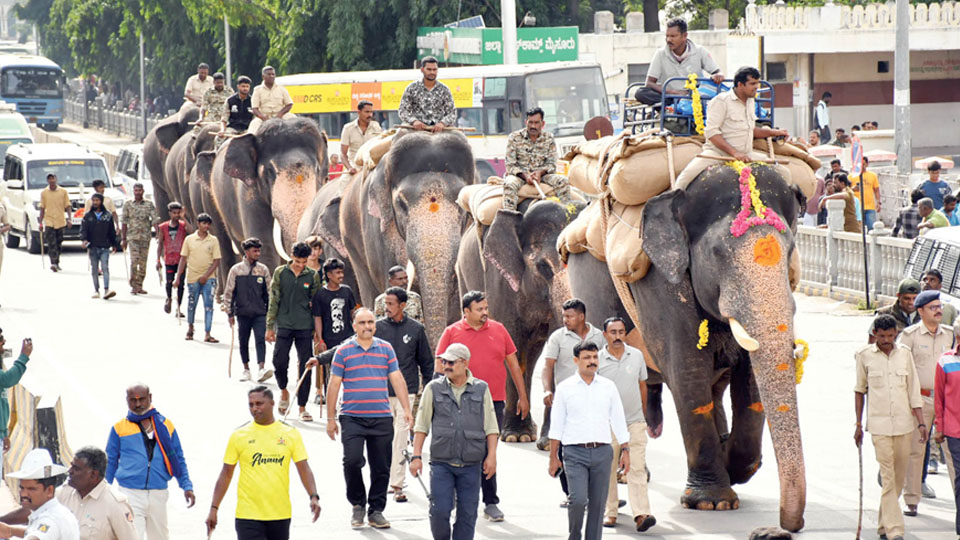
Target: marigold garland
(801, 357)
(750, 203)
(704, 333)
(691, 85)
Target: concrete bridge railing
(780, 16)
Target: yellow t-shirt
(264, 454)
(55, 205)
(200, 254)
(869, 201)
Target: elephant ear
(167, 135)
(664, 239)
(502, 249)
(241, 159)
(204, 167)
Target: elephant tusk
(742, 336)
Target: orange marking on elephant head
(783, 408)
(299, 178)
(706, 409)
(766, 251)
(783, 367)
(756, 406)
(782, 327)
(434, 207)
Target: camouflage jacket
(213, 103)
(427, 106)
(526, 156)
(139, 219)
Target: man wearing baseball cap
(49, 520)
(903, 309)
(457, 407)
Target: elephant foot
(517, 430)
(543, 443)
(710, 498)
(740, 473)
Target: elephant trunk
(292, 192)
(758, 305)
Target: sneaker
(356, 520)
(166, 305)
(492, 513)
(96, 294)
(927, 491)
(108, 294)
(377, 521)
(246, 376)
(264, 375)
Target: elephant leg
(160, 201)
(515, 428)
(720, 414)
(653, 414)
(744, 446)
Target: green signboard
(485, 45)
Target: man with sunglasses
(927, 341)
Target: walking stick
(860, 513)
(419, 477)
(41, 246)
(233, 336)
(297, 391)
(543, 195)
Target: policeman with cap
(49, 520)
(927, 341)
(903, 309)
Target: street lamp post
(508, 20)
(143, 88)
(226, 43)
(901, 89)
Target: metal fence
(112, 119)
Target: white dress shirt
(52, 521)
(586, 413)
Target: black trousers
(489, 487)
(258, 325)
(251, 529)
(171, 274)
(303, 340)
(377, 435)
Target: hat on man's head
(908, 286)
(38, 465)
(925, 298)
(456, 351)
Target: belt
(590, 444)
(926, 392)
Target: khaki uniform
(269, 101)
(140, 218)
(735, 121)
(195, 88)
(55, 205)
(526, 156)
(102, 515)
(213, 105)
(926, 348)
(893, 391)
(354, 138)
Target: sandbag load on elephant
(620, 245)
(483, 200)
(636, 168)
(373, 150)
(802, 165)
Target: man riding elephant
(428, 104)
(532, 159)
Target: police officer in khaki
(927, 341)
(48, 518)
(269, 100)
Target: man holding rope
(428, 104)
(532, 159)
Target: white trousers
(149, 511)
(698, 165)
(401, 436)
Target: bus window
(495, 122)
(30, 82)
(387, 119)
(470, 118)
(332, 123)
(568, 97)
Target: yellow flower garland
(691, 85)
(704, 333)
(801, 358)
(758, 207)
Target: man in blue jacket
(143, 454)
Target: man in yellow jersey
(264, 448)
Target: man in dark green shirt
(289, 322)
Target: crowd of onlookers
(107, 94)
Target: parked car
(938, 249)
(129, 169)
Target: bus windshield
(30, 82)
(568, 97)
(70, 172)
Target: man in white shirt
(198, 84)
(823, 117)
(586, 409)
(49, 520)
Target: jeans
(489, 487)
(194, 290)
(259, 326)
(281, 359)
(953, 445)
(99, 258)
(588, 475)
(447, 481)
(377, 435)
(252, 529)
(869, 218)
(171, 272)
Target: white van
(25, 170)
(129, 169)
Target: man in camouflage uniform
(139, 218)
(427, 104)
(398, 278)
(903, 309)
(214, 102)
(532, 159)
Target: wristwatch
(314, 496)
(416, 457)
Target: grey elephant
(406, 210)
(712, 262)
(156, 147)
(322, 219)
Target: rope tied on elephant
(629, 304)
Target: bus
(35, 85)
(490, 99)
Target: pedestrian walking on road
(54, 222)
(139, 219)
(99, 186)
(492, 353)
(246, 296)
(9, 377)
(99, 233)
(314, 261)
(264, 450)
(333, 307)
(398, 278)
(887, 377)
(143, 454)
(452, 407)
(199, 258)
(289, 323)
(364, 364)
(626, 367)
(409, 341)
(586, 409)
(946, 398)
(170, 237)
(49, 520)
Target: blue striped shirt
(364, 374)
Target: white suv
(25, 170)
(129, 170)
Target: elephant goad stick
(233, 336)
(419, 477)
(860, 513)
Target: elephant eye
(545, 270)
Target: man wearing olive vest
(457, 407)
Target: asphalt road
(89, 350)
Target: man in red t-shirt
(170, 238)
(492, 352)
(335, 169)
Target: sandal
(305, 416)
(399, 496)
(189, 335)
(211, 339)
(284, 405)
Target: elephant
(255, 179)
(406, 210)
(156, 147)
(710, 265)
(178, 167)
(322, 219)
(526, 284)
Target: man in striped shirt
(364, 364)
